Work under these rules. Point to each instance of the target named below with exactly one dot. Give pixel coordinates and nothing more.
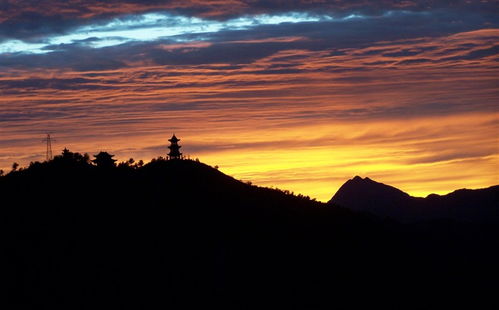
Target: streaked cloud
(151, 27)
(300, 95)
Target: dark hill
(181, 234)
(366, 195)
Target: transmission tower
(48, 153)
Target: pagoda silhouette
(174, 148)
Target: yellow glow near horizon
(419, 156)
(379, 152)
(420, 115)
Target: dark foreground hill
(366, 195)
(180, 234)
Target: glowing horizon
(301, 97)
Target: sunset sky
(301, 94)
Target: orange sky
(417, 113)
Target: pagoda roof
(173, 139)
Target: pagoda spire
(174, 148)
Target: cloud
(53, 83)
(403, 91)
(35, 21)
(230, 42)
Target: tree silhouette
(69, 158)
(167, 230)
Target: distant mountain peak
(359, 178)
(367, 195)
(366, 189)
(359, 183)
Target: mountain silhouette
(180, 234)
(366, 195)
